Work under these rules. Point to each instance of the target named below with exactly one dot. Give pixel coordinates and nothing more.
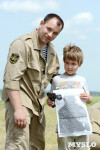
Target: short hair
(52, 15)
(73, 52)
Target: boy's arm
(49, 102)
(86, 95)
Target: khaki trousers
(32, 137)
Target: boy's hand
(50, 103)
(86, 97)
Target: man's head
(49, 28)
(73, 58)
(59, 20)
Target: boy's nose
(70, 66)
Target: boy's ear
(80, 65)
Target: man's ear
(41, 23)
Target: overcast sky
(82, 28)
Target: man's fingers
(20, 123)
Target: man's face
(48, 31)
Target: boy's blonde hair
(73, 52)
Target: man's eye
(48, 29)
(55, 33)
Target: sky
(82, 28)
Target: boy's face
(70, 66)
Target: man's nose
(50, 34)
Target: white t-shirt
(72, 115)
(68, 82)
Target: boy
(73, 59)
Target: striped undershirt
(45, 52)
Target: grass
(51, 138)
(95, 99)
(2, 125)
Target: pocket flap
(33, 66)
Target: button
(43, 72)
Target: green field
(51, 139)
(95, 99)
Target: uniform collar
(35, 40)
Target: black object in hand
(53, 96)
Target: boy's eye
(66, 63)
(73, 64)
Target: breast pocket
(34, 66)
(34, 71)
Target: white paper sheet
(72, 115)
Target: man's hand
(19, 114)
(86, 97)
(20, 118)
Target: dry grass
(51, 140)
(2, 126)
(51, 137)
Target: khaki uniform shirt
(28, 72)
(94, 114)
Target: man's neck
(43, 46)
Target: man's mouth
(47, 38)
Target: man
(94, 114)
(32, 62)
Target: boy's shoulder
(58, 77)
(62, 76)
(80, 77)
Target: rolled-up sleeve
(16, 65)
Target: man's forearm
(19, 114)
(14, 97)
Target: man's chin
(45, 41)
